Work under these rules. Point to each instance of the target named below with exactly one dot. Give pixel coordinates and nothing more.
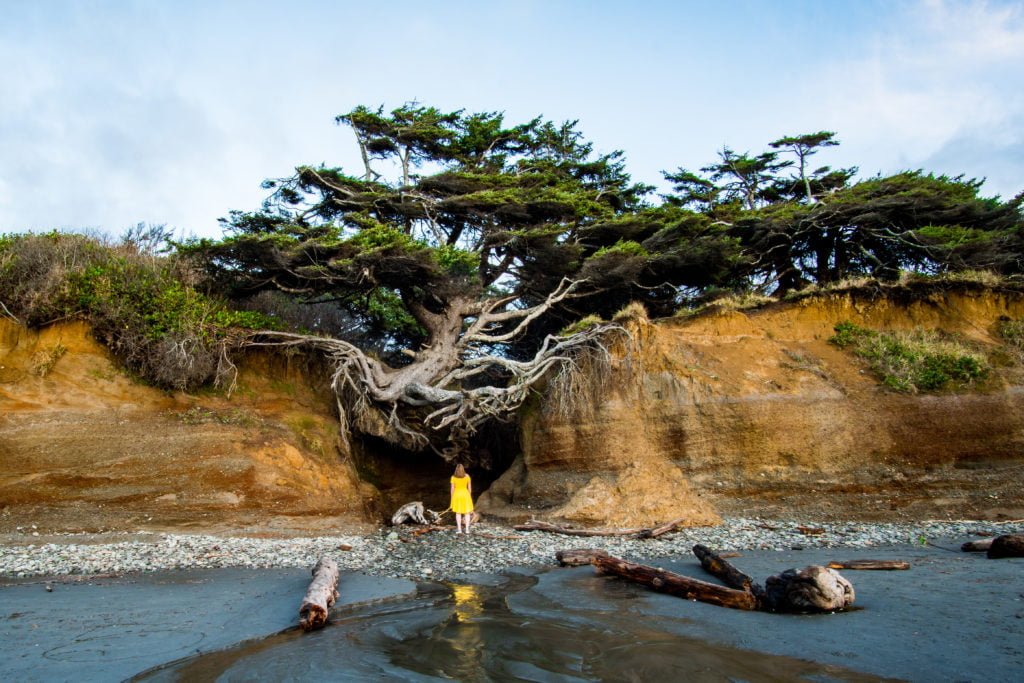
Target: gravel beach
(400, 553)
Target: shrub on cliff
(916, 361)
(142, 305)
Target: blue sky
(114, 113)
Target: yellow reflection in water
(469, 603)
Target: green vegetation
(140, 304)
(1012, 334)
(916, 361)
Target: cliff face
(756, 413)
(751, 413)
(84, 448)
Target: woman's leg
(469, 520)
(458, 522)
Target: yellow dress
(462, 502)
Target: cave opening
(402, 476)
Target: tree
(451, 267)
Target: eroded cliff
(755, 412)
(85, 448)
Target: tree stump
(1010, 545)
(320, 595)
(811, 589)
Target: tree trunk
(320, 595)
(577, 558)
(870, 564)
(675, 584)
(1011, 545)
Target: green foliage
(914, 362)
(624, 247)
(139, 304)
(580, 325)
(457, 262)
(1012, 334)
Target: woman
(462, 498)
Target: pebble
(444, 555)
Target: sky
(173, 112)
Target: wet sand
(952, 617)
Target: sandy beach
(953, 616)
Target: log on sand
(536, 525)
(811, 589)
(716, 565)
(320, 595)
(578, 558)
(882, 565)
(674, 584)
(977, 546)
(1010, 545)
(639, 532)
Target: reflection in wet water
(471, 632)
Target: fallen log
(662, 529)
(577, 558)
(977, 546)
(639, 532)
(811, 589)
(1010, 545)
(536, 525)
(717, 566)
(675, 584)
(869, 564)
(320, 595)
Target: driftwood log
(883, 565)
(675, 584)
(320, 595)
(578, 558)
(639, 532)
(977, 546)
(811, 589)
(1010, 545)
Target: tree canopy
(466, 242)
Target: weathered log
(577, 558)
(977, 546)
(869, 564)
(715, 565)
(662, 529)
(674, 584)
(536, 525)
(639, 532)
(811, 589)
(320, 595)
(410, 512)
(1010, 545)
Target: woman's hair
(460, 471)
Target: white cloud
(944, 74)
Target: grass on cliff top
(914, 362)
(909, 286)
